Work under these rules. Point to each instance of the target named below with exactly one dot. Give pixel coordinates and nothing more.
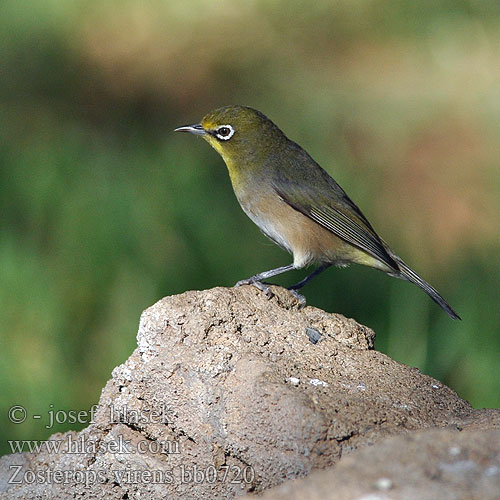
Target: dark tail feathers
(408, 274)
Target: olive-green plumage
(294, 201)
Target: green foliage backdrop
(104, 210)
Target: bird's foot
(258, 284)
(298, 297)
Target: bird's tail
(410, 275)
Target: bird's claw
(263, 287)
(258, 284)
(298, 297)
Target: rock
(426, 465)
(227, 393)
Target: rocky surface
(231, 393)
(425, 465)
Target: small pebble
(313, 334)
(493, 470)
(317, 381)
(384, 483)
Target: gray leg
(257, 279)
(266, 274)
(308, 278)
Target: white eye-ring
(224, 132)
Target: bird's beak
(192, 129)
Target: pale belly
(306, 240)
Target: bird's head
(238, 134)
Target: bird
(295, 202)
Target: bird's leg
(309, 277)
(293, 289)
(257, 279)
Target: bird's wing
(321, 199)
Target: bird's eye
(224, 132)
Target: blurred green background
(104, 210)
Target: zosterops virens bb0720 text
(295, 202)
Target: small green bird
(294, 202)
